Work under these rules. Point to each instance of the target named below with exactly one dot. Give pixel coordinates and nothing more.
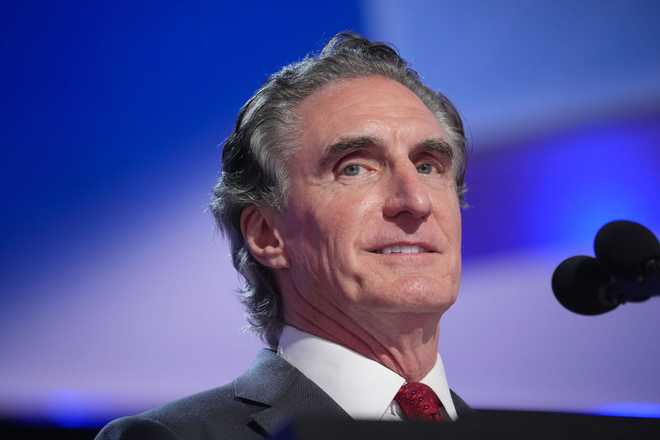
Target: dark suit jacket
(255, 405)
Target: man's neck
(405, 343)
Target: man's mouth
(401, 250)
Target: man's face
(372, 221)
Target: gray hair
(255, 153)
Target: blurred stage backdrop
(118, 293)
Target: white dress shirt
(364, 388)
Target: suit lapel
(461, 407)
(284, 392)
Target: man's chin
(410, 300)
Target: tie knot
(418, 402)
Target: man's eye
(425, 168)
(351, 170)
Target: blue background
(117, 293)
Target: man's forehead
(365, 108)
(373, 89)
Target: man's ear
(262, 238)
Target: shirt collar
(362, 387)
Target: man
(340, 194)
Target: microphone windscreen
(576, 284)
(624, 247)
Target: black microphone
(626, 269)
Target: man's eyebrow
(438, 146)
(347, 145)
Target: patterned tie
(418, 402)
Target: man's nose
(407, 194)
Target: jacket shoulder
(215, 413)
(136, 427)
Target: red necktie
(418, 402)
